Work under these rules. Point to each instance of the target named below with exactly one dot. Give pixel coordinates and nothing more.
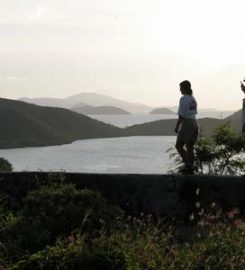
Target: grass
(105, 238)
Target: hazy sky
(136, 50)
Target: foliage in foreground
(76, 229)
(5, 165)
(50, 213)
(223, 154)
(144, 245)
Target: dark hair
(186, 88)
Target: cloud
(121, 44)
(15, 78)
(12, 78)
(40, 12)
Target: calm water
(116, 155)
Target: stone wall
(165, 195)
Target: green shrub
(72, 256)
(143, 244)
(62, 208)
(220, 155)
(61, 227)
(54, 212)
(58, 257)
(5, 165)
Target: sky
(135, 50)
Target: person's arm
(179, 121)
(181, 113)
(243, 87)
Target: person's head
(185, 88)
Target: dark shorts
(188, 131)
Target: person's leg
(190, 153)
(190, 146)
(183, 153)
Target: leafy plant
(223, 154)
(54, 212)
(144, 244)
(5, 165)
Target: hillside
(166, 127)
(161, 111)
(235, 120)
(50, 102)
(24, 124)
(99, 110)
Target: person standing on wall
(243, 107)
(186, 126)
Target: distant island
(99, 110)
(161, 111)
(89, 99)
(97, 100)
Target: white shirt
(187, 107)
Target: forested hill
(23, 124)
(207, 126)
(235, 120)
(166, 127)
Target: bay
(145, 154)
